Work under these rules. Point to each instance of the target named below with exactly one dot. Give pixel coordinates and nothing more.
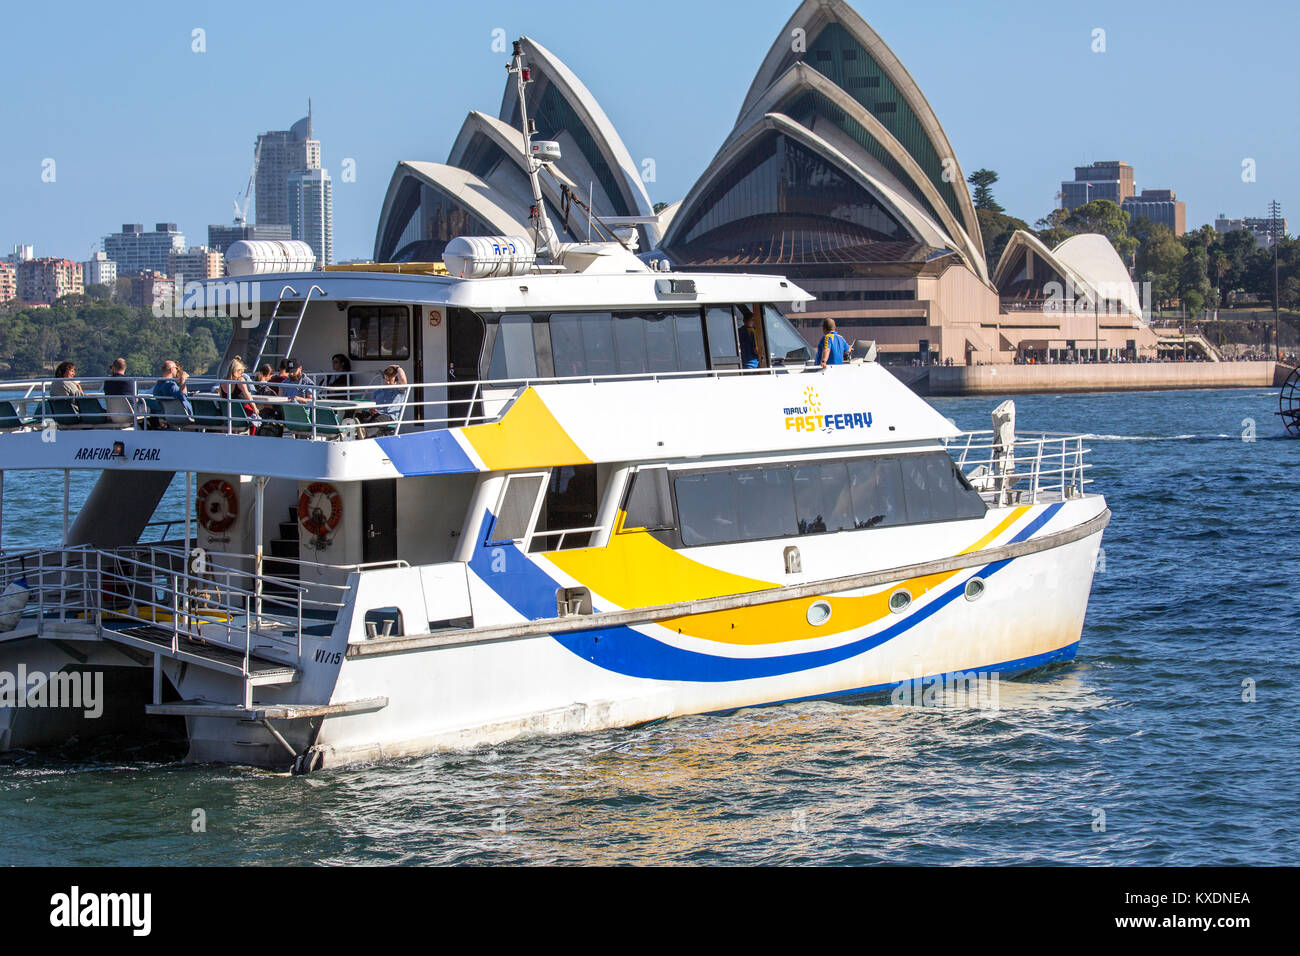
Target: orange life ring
(217, 506)
(313, 516)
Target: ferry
(582, 511)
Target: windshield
(784, 344)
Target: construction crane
(241, 209)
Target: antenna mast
(547, 242)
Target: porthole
(819, 612)
(974, 589)
(899, 601)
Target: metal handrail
(1034, 466)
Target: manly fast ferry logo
(810, 417)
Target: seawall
(1105, 377)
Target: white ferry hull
(476, 694)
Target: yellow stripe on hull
(636, 570)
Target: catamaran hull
(1030, 614)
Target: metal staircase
(277, 344)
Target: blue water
(1147, 727)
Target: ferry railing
(157, 588)
(1036, 467)
(313, 410)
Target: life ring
(217, 506)
(311, 512)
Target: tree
(1193, 278)
(1100, 216)
(1158, 261)
(996, 230)
(983, 180)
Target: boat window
(514, 355)
(516, 507)
(629, 344)
(784, 344)
(570, 503)
(785, 500)
(723, 348)
(877, 489)
(582, 343)
(379, 332)
(765, 503)
(649, 503)
(706, 508)
(822, 498)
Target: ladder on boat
(277, 344)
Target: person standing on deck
(749, 343)
(835, 348)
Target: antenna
(547, 241)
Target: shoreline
(956, 380)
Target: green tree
(1193, 278)
(983, 180)
(1100, 216)
(1158, 260)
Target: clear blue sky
(142, 129)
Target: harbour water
(1171, 739)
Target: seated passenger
(171, 385)
(337, 385)
(236, 389)
(297, 386)
(64, 385)
(120, 392)
(389, 400)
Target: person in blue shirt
(749, 343)
(297, 386)
(835, 348)
(169, 386)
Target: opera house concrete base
(1104, 377)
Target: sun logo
(811, 400)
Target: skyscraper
(311, 212)
(293, 190)
(1111, 180)
(135, 250)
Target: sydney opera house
(837, 174)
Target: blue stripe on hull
(531, 592)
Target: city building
(99, 270)
(8, 282)
(1160, 206)
(280, 154)
(21, 253)
(196, 264)
(311, 212)
(483, 187)
(1260, 228)
(151, 287)
(48, 279)
(1109, 179)
(135, 250)
(221, 238)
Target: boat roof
(543, 291)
